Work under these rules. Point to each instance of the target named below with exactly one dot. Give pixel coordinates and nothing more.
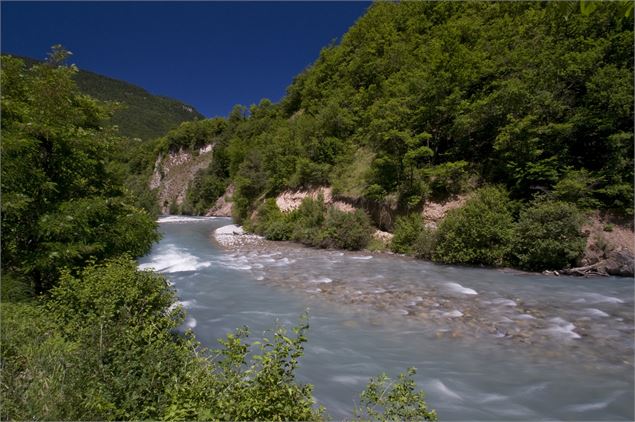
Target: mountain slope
(146, 116)
(143, 115)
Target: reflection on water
(487, 344)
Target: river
(487, 344)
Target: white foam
(488, 398)
(524, 316)
(503, 302)
(597, 298)
(190, 322)
(187, 303)
(456, 287)
(171, 259)
(588, 406)
(453, 314)
(349, 379)
(313, 290)
(183, 219)
(322, 280)
(596, 312)
(562, 328)
(439, 386)
(283, 262)
(362, 257)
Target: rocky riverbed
(556, 315)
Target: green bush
(103, 347)
(387, 400)
(577, 187)
(345, 230)
(449, 178)
(424, 244)
(309, 173)
(313, 224)
(308, 219)
(548, 236)
(407, 230)
(271, 223)
(479, 233)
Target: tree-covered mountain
(425, 100)
(142, 114)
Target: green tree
(60, 200)
(548, 236)
(480, 232)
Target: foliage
(314, 224)
(425, 243)
(407, 230)
(208, 184)
(103, 348)
(139, 114)
(192, 135)
(387, 400)
(62, 203)
(308, 219)
(345, 230)
(271, 223)
(479, 233)
(309, 174)
(450, 178)
(548, 236)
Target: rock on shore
(233, 236)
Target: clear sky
(211, 55)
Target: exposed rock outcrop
(173, 173)
(224, 205)
(291, 200)
(434, 212)
(610, 249)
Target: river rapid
(487, 344)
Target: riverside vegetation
(525, 107)
(87, 336)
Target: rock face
(291, 200)
(610, 249)
(224, 204)
(173, 173)
(434, 212)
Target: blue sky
(211, 55)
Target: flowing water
(487, 344)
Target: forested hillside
(526, 107)
(140, 114)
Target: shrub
(425, 243)
(345, 230)
(307, 220)
(449, 178)
(272, 223)
(548, 236)
(309, 173)
(387, 400)
(479, 233)
(407, 230)
(577, 187)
